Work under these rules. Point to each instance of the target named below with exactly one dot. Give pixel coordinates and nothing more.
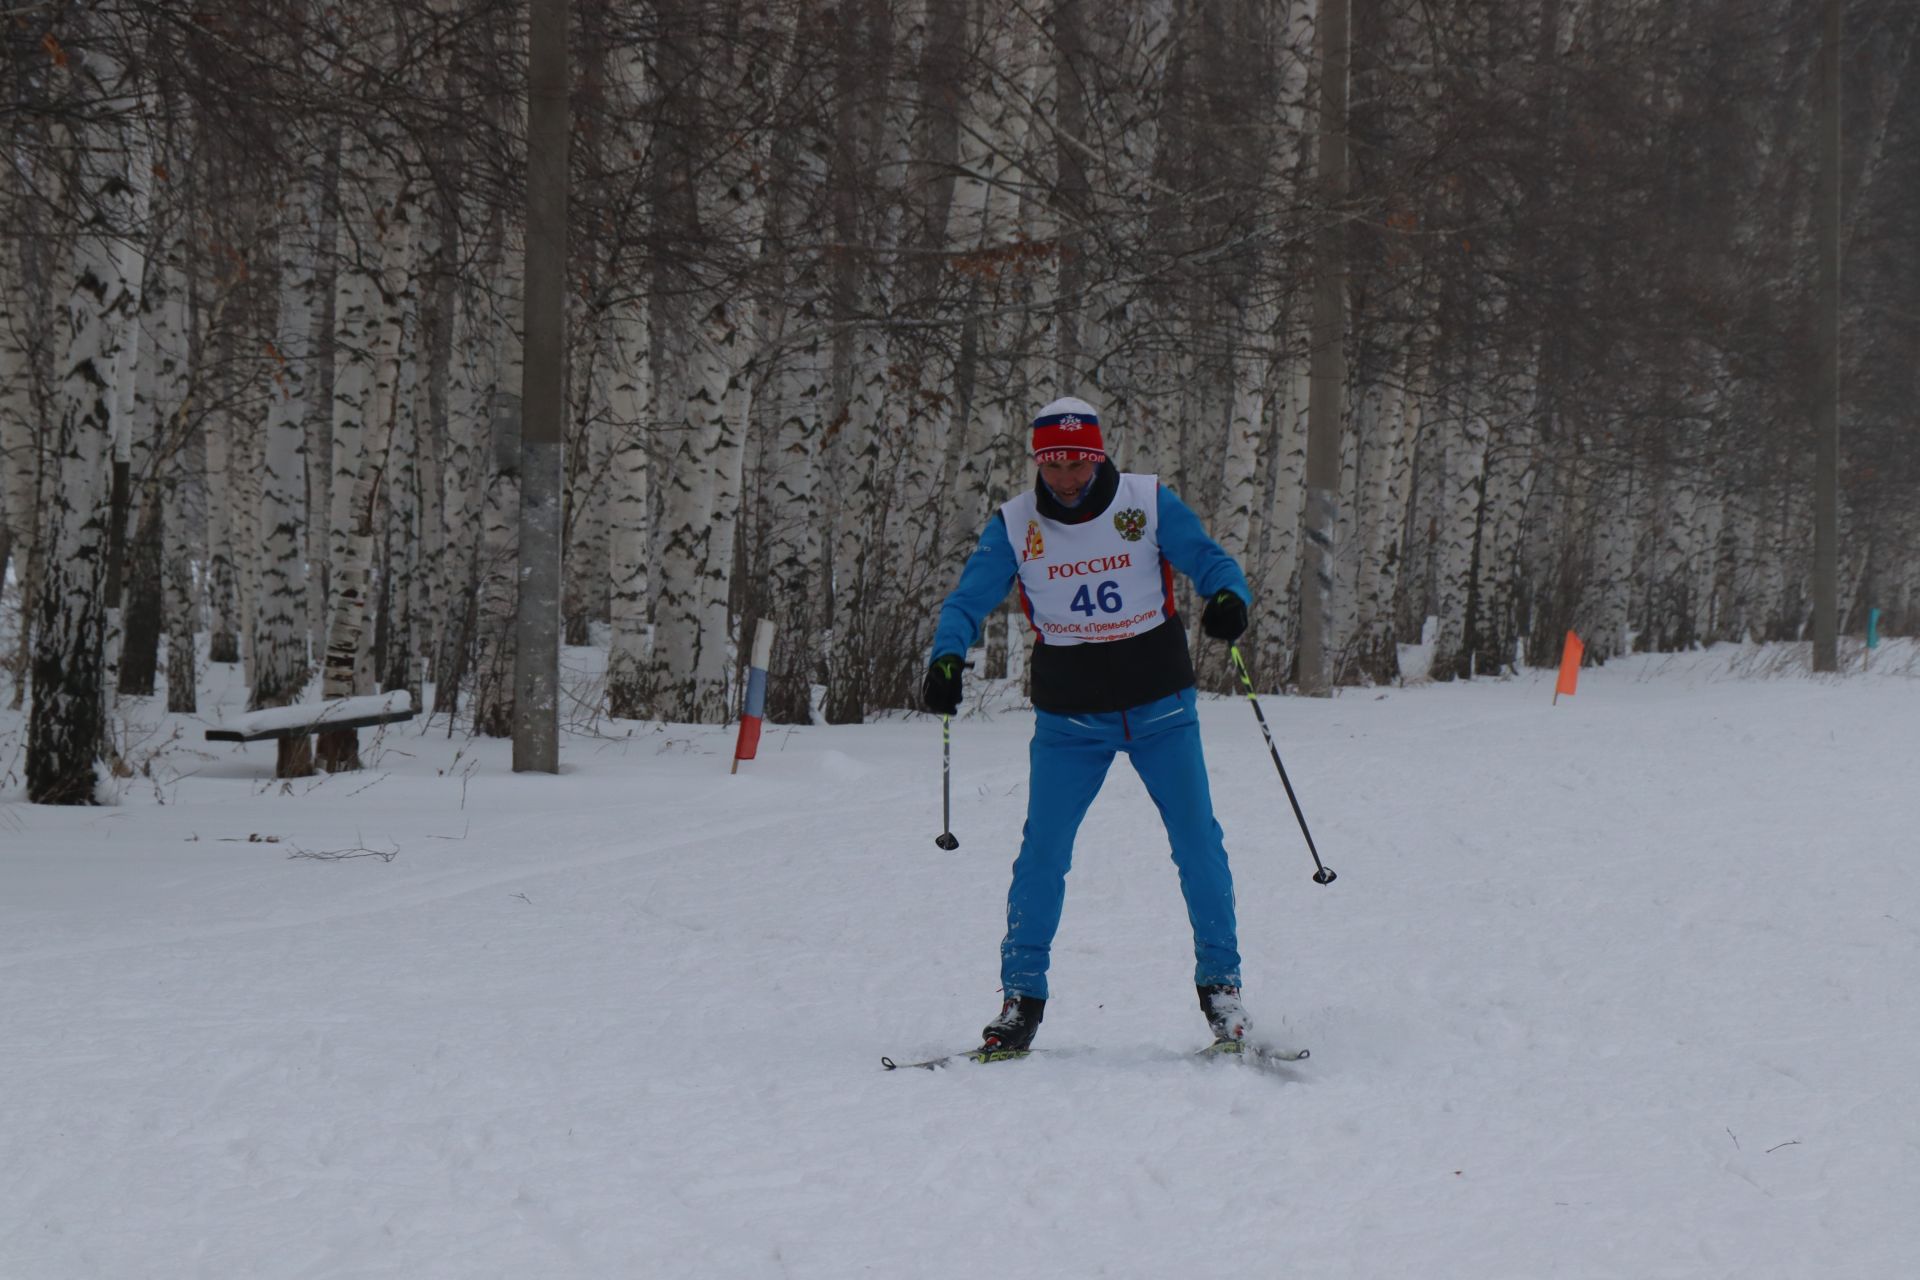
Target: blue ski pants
(1070, 755)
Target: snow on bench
(316, 717)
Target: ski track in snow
(1619, 987)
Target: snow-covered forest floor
(1619, 987)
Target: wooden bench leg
(295, 759)
(340, 750)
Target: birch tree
(67, 718)
(625, 377)
(348, 654)
(470, 380)
(364, 185)
(796, 501)
(1260, 348)
(280, 659)
(498, 592)
(839, 252)
(400, 488)
(589, 463)
(629, 378)
(161, 388)
(988, 242)
(21, 445)
(173, 384)
(222, 578)
(721, 208)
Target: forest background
(261, 330)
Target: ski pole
(1322, 875)
(946, 839)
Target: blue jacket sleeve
(1184, 542)
(983, 584)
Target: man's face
(1068, 477)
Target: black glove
(942, 690)
(1225, 617)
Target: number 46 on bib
(1106, 598)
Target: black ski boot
(1225, 1014)
(1011, 1034)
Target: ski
(1260, 1055)
(982, 1054)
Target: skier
(1094, 550)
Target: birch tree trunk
(424, 609)
(589, 460)
(794, 544)
(1611, 588)
(174, 378)
(700, 506)
(500, 513)
(21, 443)
(281, 664)
(346, 671)
(583, 530)
(222, 576)
(1386, 466)
(1038, 281)
(396, 668)
(946, 393)
(1261, 416)
(699, 518)
(164, 348)
(1276, 565)
(984, 229)
(127, 373)
(470, 379)
(861, 55)
(1241, 470)
(926, 434)
(1258, 345)
(1462, 520)
(363, 186)
(320, 401)
(433, 603)
(629, 524)
(68, 715)
(244, 470)
(1509, 485)
(628, 378)
(861, 507)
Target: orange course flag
(1569, 666)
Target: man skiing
(1093, 550)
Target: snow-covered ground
(1623, 987)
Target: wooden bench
(292, 725)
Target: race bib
(1100, 580)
